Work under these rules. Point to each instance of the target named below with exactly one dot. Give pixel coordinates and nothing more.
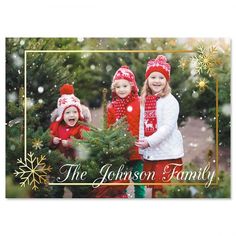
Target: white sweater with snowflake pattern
(166, 142)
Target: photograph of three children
(118, 118)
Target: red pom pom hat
(159, 65)
(125, 73)
(66, 100)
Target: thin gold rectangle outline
(118, 51)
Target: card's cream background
(123, 18)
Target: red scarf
(120, 105)
(150, 118)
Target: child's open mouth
(71, 121)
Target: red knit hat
(66, 100)
(159, 65)
(125, 73)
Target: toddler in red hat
(160, 142)
(126, 102)
(69, 112)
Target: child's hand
(142, 143)
(56, 140)
(65, 143)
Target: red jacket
(65, 132)
(132, 115)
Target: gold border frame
(120, 51)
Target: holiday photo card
(118, 118)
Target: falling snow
(92, 67)
(13, 147)
(210, 139)
(17, 60)
(22, 42)
(159, 48)
(141, 55)
(30, 103)
(40, 89)
(193, 145)
(195, 94)
(108, 68)
(193, 191)
(148, 40)
(12, 97)
(226, 109)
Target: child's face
(122, 88)
(71, 116)
(156, 82)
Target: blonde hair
(147, 91)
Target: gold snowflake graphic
(202, 84)
(183, 63)
(206, 60)
(37, 144)
(32, 171)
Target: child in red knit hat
(126, 102)
(160, 141)
(69, 112)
